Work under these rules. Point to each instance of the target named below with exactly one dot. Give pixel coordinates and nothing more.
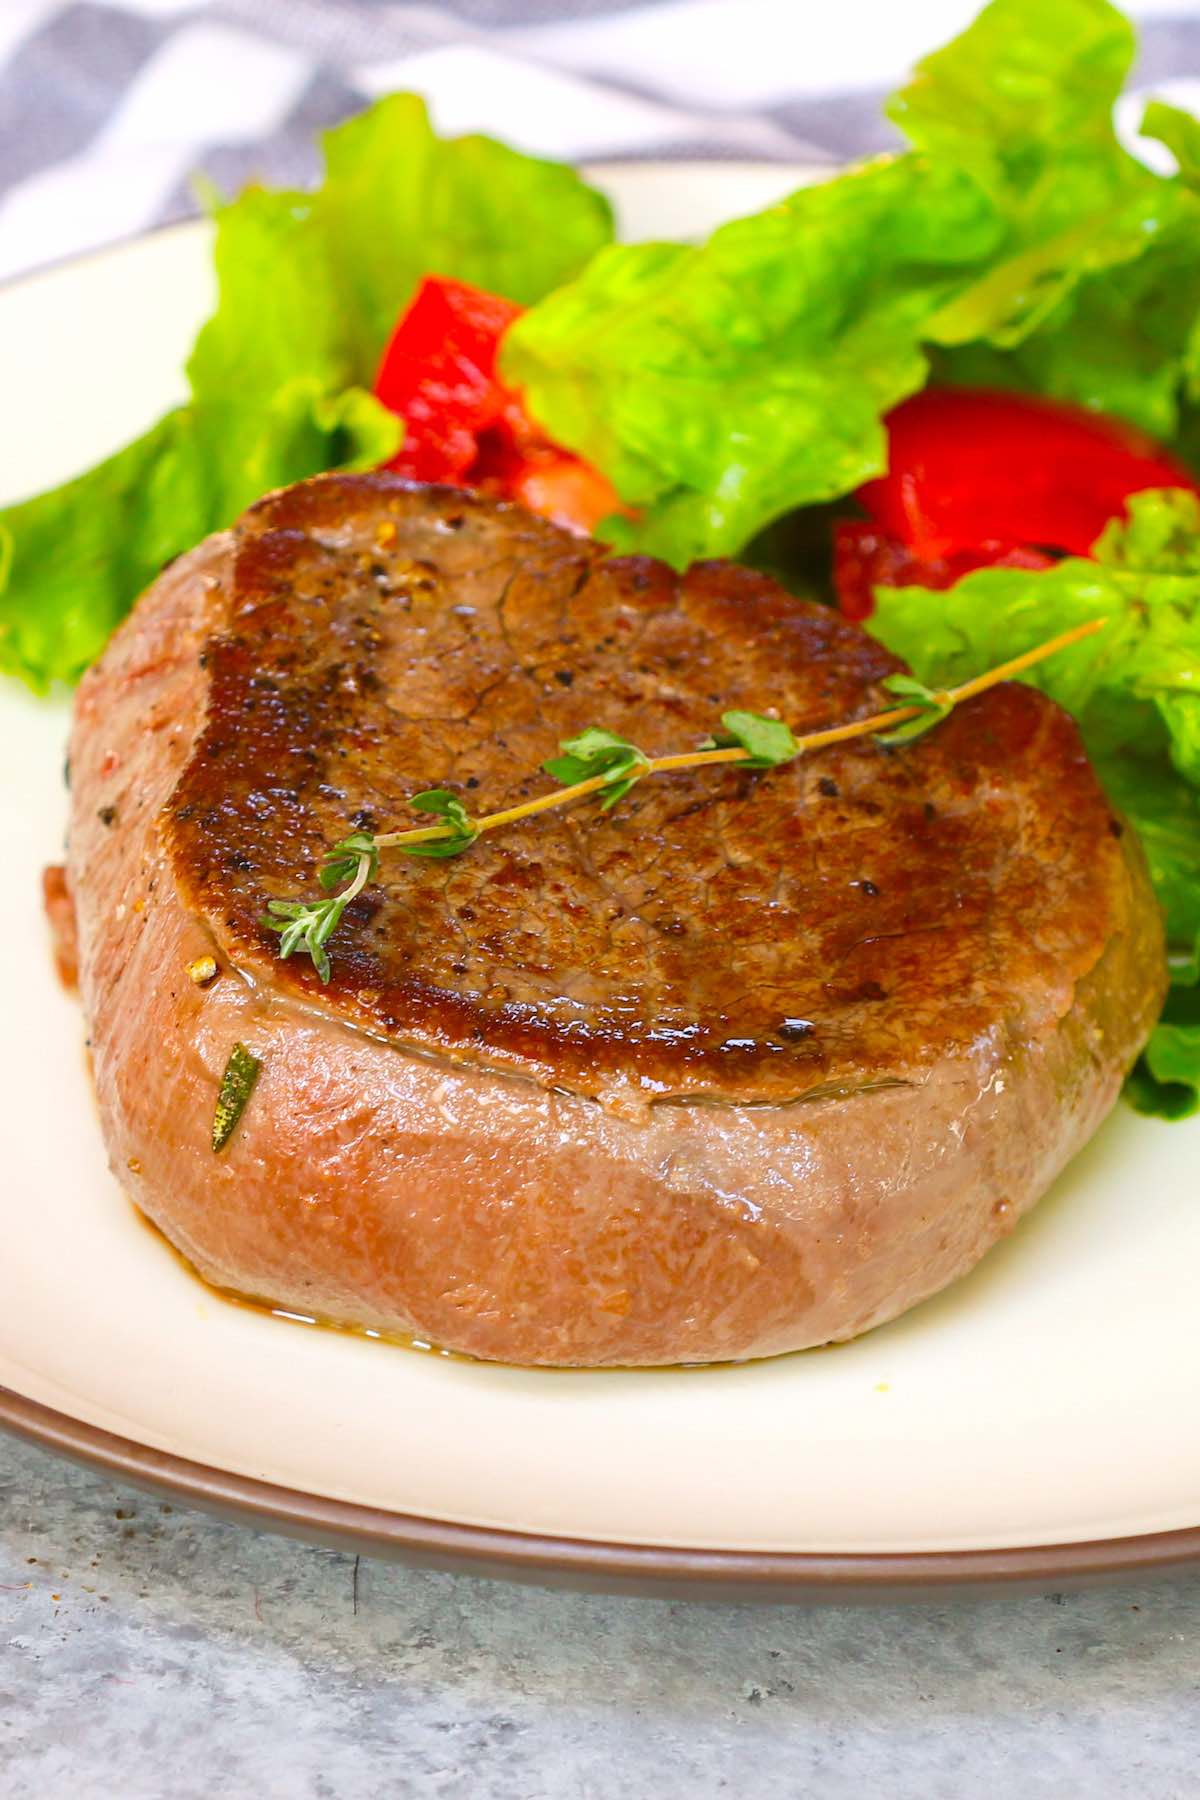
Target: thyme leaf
(341, 863)
(767, 742)
(308, 925)
(237, 1085)
(935, 706)
(595, 754)
(443, 805)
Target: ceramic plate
(1037, 1420)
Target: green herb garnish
(443, 805)
(767, 742)
(343, 861)
(596, 755)
(306, 925)
(309, 924)
(935, 705)
(237, 1085)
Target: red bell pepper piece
(439, 373)
(864, 558)
(968, 467)
(978, 479)
(463, 426)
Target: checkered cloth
(108, 107)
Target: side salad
(957, 389)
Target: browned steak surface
(843, 922)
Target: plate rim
(667, 1571)
(595, 170)
(676, 1572)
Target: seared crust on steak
(838, 923)
(751, 1063)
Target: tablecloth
(109, 107)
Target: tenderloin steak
(753, 1061)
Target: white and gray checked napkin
(108, 107)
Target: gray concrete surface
(149, 1652)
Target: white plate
(1046, 1400)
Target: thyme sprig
(598, 762)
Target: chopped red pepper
(978, 479)
(463, 426)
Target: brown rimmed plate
(610, 1568)
(1032, 1424)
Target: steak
(752, 1061)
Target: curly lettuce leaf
(276, 317)
(1024, 74)
(398, 203)
(308, 287)
(1180, 132)
(1134, 689)
(719, 387)
(1116, 326)
(312, 284)
(1166, 1080)
(1117, 343)
(1166, 812)
(1125, 339)
(1023, 101)
(73, 560)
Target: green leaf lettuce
(1134, 689)
(309, 286)
(722, 385)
